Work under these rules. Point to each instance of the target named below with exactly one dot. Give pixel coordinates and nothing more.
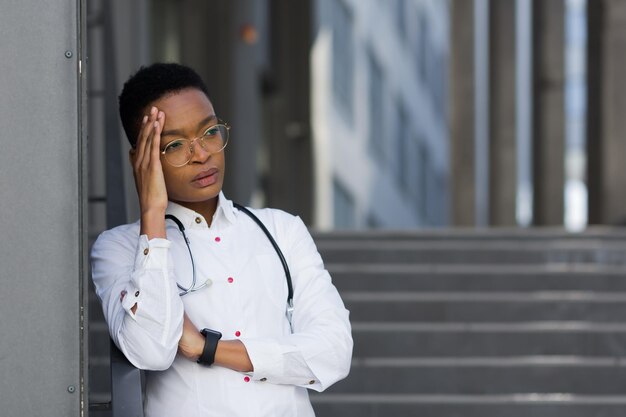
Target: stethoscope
(194, 288)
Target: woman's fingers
(147, 167)
(145, 134)
(155, 146)
(151, 128)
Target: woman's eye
(212, 131)
(174, 146)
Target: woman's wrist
(233, 354)
(153, 223)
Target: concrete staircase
(471, 323)
(467, 323)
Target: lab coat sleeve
(318, 353)
(129, 270)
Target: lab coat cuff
(266, 358)
(152, 254)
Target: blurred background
(384, 114)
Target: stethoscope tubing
(193, 287)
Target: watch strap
(211, 337)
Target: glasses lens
(215, 138)
(178, 152)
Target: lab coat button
(198, 220)
(230, 280)
(136, 293)
(311, 382)
(263, 379)
(217, 239)
(145, 251)
(237, 333)
(247, 379)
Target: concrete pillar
(482, 113)
(502, 109)
(483, 129)
(524, 112)
(606, 109)
(595, 36)
(289, 177)
(548, 115)
(462, 113)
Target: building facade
(379, 113)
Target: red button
(217, 239)
(237, 333)
(230, 279)
(247, 379)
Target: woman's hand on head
(148, 173)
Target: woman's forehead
(185, 109)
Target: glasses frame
(202, 143)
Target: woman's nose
(198, 150)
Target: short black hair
(150, 84)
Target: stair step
(494, 246)
(489, 361)
(459, 234)
(450, 253)
(418, 277)
(507, 405)
(401, 339)
(486, 307)
(599, 376)
(483, 399)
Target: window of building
(441, 86)
(343, 56)
(373, 222)
(433, 194)
(413, 170)
(422, 182)
(395, 145)
(344, 208)
(400, 146)
(423, 52)
(440, 210)
(404, 155)
(377, 131)
(400, 17)
(436, 82)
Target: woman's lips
(205, 178)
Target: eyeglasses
(179, 151)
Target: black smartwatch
(210, 346)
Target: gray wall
(42, 256)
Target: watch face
(205, 332)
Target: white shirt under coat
(246, 300)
